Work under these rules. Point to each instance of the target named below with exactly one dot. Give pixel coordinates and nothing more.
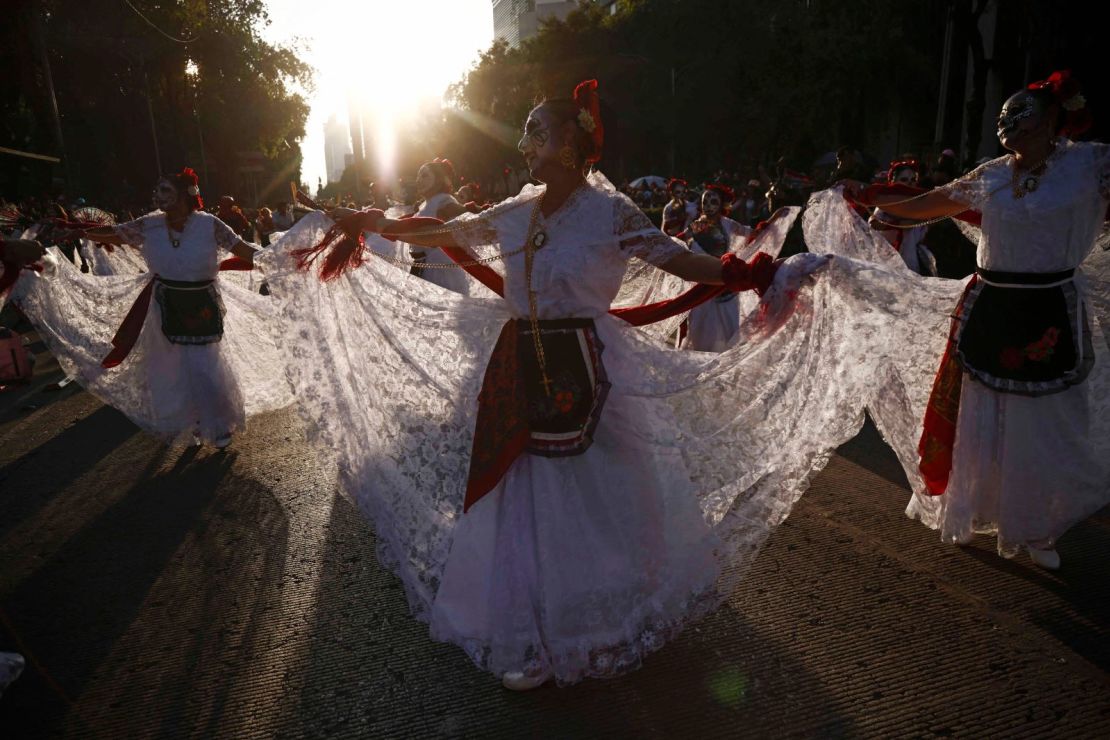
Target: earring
(568, 158)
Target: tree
(130, 110)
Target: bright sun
(384, 58)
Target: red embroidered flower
(564, 401)
(206, 313)
(1011, 358)
(1041, 349)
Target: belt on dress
(1003, 279)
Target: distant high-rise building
(337, 146)
(516, 20)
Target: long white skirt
(169, 390)
(586, 564)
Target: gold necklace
(532, 242)
(1031, 181)
(176, 242)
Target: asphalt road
(165, 592)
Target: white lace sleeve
(226, 238)
(131, 232)
(973, 189)
(639, 237)
(473, 230)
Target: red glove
(756, 275)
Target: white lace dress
(1029, 468)
(450, 278)
(584, 564)
(715, 324)
(169, 390)
(1025, 468)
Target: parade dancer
(1016, 435)
(560, 507)
(909, 241)
(204, 356)
(678, 213)
(712, 326)
(435, 183)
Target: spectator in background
(283, 218)
(232, 215)
(850, 166)
(945, 169)
(265, 225)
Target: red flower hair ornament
(1067, 93)
(589, 117)
(190, 185)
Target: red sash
(939, 434)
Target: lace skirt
(168, 390)
(582, 564)
(1024, 467)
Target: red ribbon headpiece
(674, 182)
(727, 196)
(899, 164)
(589, 117)
(1068, 95)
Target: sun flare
(378, 61)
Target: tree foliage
(752, 79)
(128, 107)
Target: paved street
(165, 592)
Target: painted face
(710, 203)
(1019, 120)
(425, 180)
(539, 145)
(905, 176)
(165, 195)
(679, 193)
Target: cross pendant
(546, 383)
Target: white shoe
(11, 665)
(517, 681)
(1047, 559)
(222, 441)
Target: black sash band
(1024, 278)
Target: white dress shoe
(1047, 559)
(517, 681)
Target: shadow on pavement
(99, 579)
(1082, 584)
(70, 454)
(370, 669)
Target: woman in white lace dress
(1016, 436)
(435, 182)
(908, 241)
(193, 356)
(582, 512)
(712, 326)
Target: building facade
(516, 20)
(337, 147)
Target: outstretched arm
(695, 268)
(933, 204)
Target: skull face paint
(905, 176)
(538, 145)
(710, 203)
(165, 195)
(1020, 115)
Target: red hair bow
(1066, 92)
(589, 116)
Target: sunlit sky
(391, 54)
